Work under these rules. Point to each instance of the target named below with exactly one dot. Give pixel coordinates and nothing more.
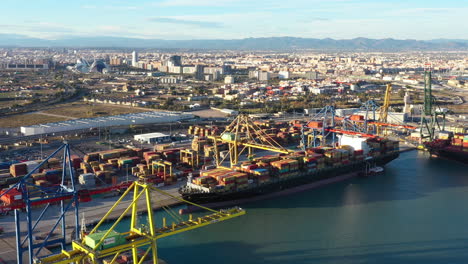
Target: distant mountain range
(273, 43)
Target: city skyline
(236, 19)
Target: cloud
(110, 7)
(196, 2)
(39, 27)
(89, 7)
(186, 22)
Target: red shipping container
(53, 178)
(315, 124)
(358, 152)
(252, 167)
(357, 117)
(12, 197)
(148, 153)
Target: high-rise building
(259, 75)
(216, 75)
(311, 75)
(199, 72)
(407, 101)
(116, 61)
(263, 76)
(175, 61)
(284, 74)
(229, 79)
(134, 59)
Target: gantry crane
(163, 168)
(241, 135)
(32, 195)
(430, 115)
(327, 116)
(140, 236)
(384, 108)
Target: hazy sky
(229, 19)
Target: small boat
(375, 170)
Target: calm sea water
(417, 212)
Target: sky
(235, 19)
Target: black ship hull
(457, 155)
(302, 179)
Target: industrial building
(103, 122)
(393, 117)
(153, 138)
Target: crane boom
(384, 109)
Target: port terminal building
(152, 117)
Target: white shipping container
(31, 165)
(87, 179)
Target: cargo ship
(450, 146)
(278, 172)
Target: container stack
(87, 179)
(359, 155)
(242, 180)
(53, 176)
(285, 168)
(374, 145)
(198, 144)
(153, 157)
(460, 140)
(445, 135)
(172, 155)
(91, 157)
(18, 169)
(203, 131)
(333, 157)
(310, 164)
(228, 182)
(75, 160)
(262, 175)
(205, 181)
(128, 162)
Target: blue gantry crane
(65, 193)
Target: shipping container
(112, 240)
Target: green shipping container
(229, 136)
(112, 240)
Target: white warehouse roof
(118, 120)
(150, 135)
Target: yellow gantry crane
(384, 109)
(241, 135)
(140, 240)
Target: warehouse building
(152, 117)
(153, 138)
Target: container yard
(96, 174)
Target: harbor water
(416, 212)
